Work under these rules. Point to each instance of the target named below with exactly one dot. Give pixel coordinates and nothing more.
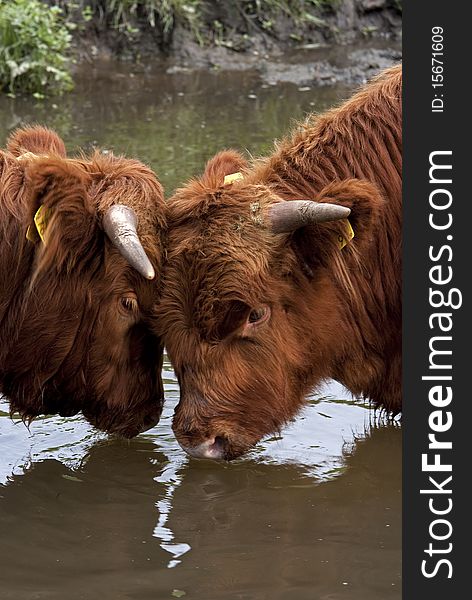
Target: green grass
(300, 11)
(264, 15)
(123, 15)
(34, 42)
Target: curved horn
(119, 223)
(285, 217)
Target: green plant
(87, 14)
(263, 14)
(122, 14)
(34, 42)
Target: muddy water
(312, 514)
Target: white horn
(288, 216)
(119, 223)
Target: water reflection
(64, 440)
(261, 531)
(317, 441)
(114, 526)
(315, 512)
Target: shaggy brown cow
(264, 297)
(78, 284)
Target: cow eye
(129, 304)
(258, 315)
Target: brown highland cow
(79, 249)
(265, 294)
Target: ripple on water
(316, 440)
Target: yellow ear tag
(41, 220)
(30, 236)
(343, 241)
(232, 178)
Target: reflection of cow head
(252, 306)
(78, 294)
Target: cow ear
(316, 243)
(61, 217)
(222, 164)
(36, 140)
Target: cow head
(88, 277)
(250, 305)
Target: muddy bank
(349, 65)
(352, 64)
(331, 24)
(236, 35)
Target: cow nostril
(219, 442)
(213, 448)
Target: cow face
(81, 339)
(250, 311)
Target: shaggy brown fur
(74, 315)
(333, 313)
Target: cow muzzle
(212, 448)
(209, 438)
